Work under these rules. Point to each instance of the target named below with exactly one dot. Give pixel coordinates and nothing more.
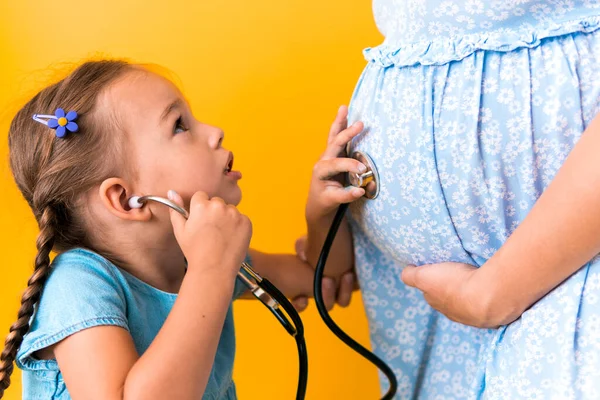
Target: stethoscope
(275, 301)
(263, 290)
(369, 181)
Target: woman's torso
(469, 115)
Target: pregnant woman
(470, 108)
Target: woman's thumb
(410, 276)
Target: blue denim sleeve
(82, 291)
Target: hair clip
(59, 121)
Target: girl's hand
(215, 235)
(449, 288)
(331, 295)
(327, 189)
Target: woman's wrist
(491, 304)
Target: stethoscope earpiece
(134, 202)
(263, 290)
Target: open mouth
(229, 166)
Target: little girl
(117, 314)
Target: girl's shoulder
(82, 275)
(80, 262)
(82, 290)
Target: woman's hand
(450, 289)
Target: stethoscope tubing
(268, 294)
(343, 336)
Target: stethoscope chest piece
(368, 180)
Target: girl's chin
(233, 197)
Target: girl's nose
(216, 137)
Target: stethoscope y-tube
(371, 191)
(263, 290)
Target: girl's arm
(341, 255)
(294, 277)
(559, 235)
(291, 274)
(327, 192)
(102, 362)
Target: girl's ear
(115, 194)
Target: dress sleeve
(82, 291)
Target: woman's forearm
(559, 235)
(341, 255)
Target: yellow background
(271, 73)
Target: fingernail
(328, 283)
(171, 195)
(302, 256)
(349, 278)
(362, 168)
(358, 191)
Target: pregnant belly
(463, 150)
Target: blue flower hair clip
(59, 121)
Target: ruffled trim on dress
(442, 51)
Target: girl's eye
(179, 127)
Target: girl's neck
(146, 249)
(160, 266)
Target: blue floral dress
(470, 108)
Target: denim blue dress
(86, 290)
(470, 108)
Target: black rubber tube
(343, 336)
(300, 342)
